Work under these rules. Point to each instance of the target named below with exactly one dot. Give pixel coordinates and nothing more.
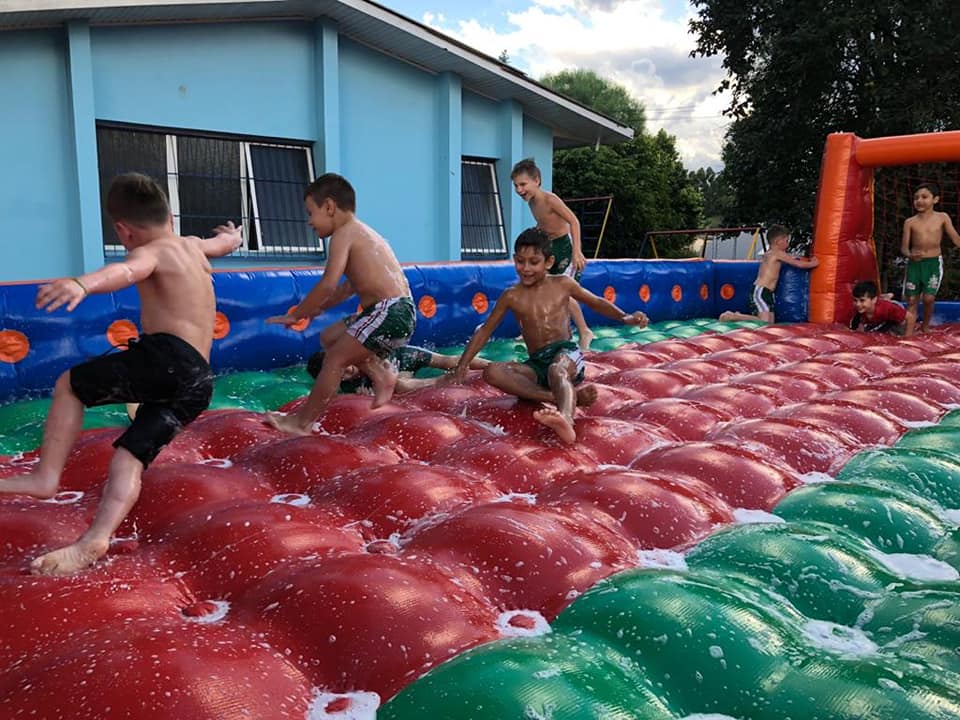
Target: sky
(643, 45)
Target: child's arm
(905, 241)
(481, 336)
(227, 238)
(328, 292)
(799, 262)
(950, 230)
(602, 306)
(561, 209)
(138, 265)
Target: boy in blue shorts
(541, 303)
(922, 235)
(562, 227)
(371, 271)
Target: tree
(717, 195)
(651, 188)
(800, 70)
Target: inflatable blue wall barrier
(452, 299)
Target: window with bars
(212, 179)
(482, 235)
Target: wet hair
(137, 199)
(315, 363)
(932, 187)
(775, 231)
(866, 288)
(526, 167)
(333, 186)
(535, 238)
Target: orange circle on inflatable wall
(645, 293)
(299, 325)
(704, 292)
(14, 346)
(677, 293)
(609, 294)
(480, 303)
(221, 326)
(121, 332)
(727, 291)
(428, 306)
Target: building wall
(38, 199)
(396, 131)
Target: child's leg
(119, 496)
(64, 422)
(584, 333)
(734, 316)
(928, 301)
(913, 304)
(384, 378)
(561, 374)
(331, 333)
(345, 351)
(518, 379)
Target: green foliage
(717, 195)
(800, 70)
(651, 188)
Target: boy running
(166, 369)
(562, 227)
(386, 322)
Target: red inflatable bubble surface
(266, 576)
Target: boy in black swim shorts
(166, 369)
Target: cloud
(631, 42)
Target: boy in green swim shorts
(541, 303)
(562, 227)
(387, 318)
(407, 361)
(922, 235)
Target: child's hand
(456, 376)
(231, 232)
(283, 320)
(638, 319)
(579, 260)
(65, 291)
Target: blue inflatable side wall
(452, 299)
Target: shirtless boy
(922, 235)
(166, 369)
(371, 271)
(562, 227)
(764, 287)
(541, 303)
(406, 360)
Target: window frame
(486, 253)
(248, 188)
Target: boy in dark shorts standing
(166, 369)
(541, 304)
(371, 271)
(562, 226)
(922, 235)
(873, 313)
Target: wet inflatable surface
(757, 522)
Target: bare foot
(727, 316)
(586, 337)
(384, 379)
(586, 395)
(69, 559)
(286, 423)
(34, 485)
(554, 420)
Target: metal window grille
(210, 180)
(482, 235)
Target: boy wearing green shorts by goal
(922, 235)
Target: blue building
(235, 106)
